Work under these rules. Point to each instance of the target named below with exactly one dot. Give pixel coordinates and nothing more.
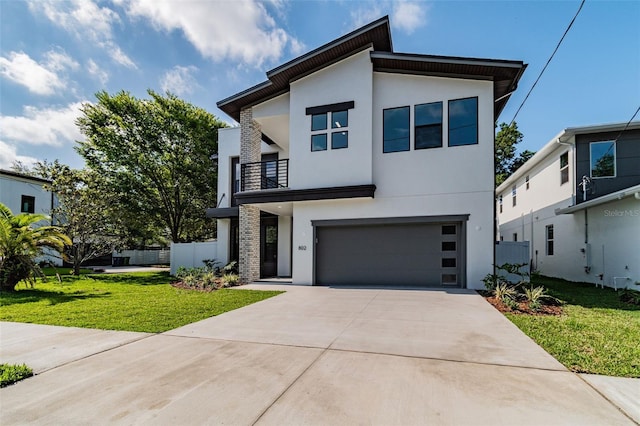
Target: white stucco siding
(479, 242)
(347, 80)
(13, 188)
(545, 189)
(445, 170)
(223, 237)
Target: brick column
(249, 262)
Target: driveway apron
(321, 355)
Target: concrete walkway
(316, 355)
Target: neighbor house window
(564, 168)
(463, 122)
(549, 231)
(428, 125)
(500, 203)
(513, 195)
(330, 122)
(603, 159)
(28, 204)
(515, 236)
(395, 129)
(526, 181)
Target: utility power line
(548, 61)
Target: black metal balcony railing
(264, 175)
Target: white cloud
(409, 16)
(406, 16)
(42, 126)
(242, 30)
(20, 68)
(87, 21)
(179, 80)
(58, 60)
(99, 73)
(9, 155)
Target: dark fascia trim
(459, 218)
(288, 195)
(330, 108)
(223, 212)
(382, 21)
(454, 60)
(255, 88)
(23, 176)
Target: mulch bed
(523, 308)
(183, 286)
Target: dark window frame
(514, 190)
(337, 133)
(325, 128)
(325, 142)
(526, 181)
(416, 126)
(564, 169)
(549, 241)
(408, 108)
(477, 138)
(30, 202)
(615, 169)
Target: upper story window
(395, 129)
(27, 204)
(330, 122)
(500, 203)
(526, 181)
(463, 121)
(564, 168)
(603, 159)
(513, 195)
(428, 125)
(549, 240)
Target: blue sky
(55, 55)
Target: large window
(463, 122)
(339, 134)
(28, 204)
(549, 239)
(564, 168)
(603, 159)
(428, 125)
(396, 129)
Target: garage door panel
(407, 254)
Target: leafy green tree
(21, 242)
(506, 160)
(83, 209)
(522, 158)
(154, 156)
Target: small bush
(231, 268)
(10, 374)
(504, 291)
(230, 280)
(492, 280)
(630, 296)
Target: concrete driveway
(318, 355)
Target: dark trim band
(223, 212)
(330, 108)
(286, 195)
(392, 220)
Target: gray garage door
(391, 254)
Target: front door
(268, 247)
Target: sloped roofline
(377, 37)
(23, 176)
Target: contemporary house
(357, 165)
(27, 194)
(577, 201)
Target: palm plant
(21, 242)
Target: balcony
(264, 175)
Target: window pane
(550, 232)
(428, 125)
(603, 159)
(339, 140)
(319, 142)
(449, 279)
(448, 230)
(28, 204)
(564, 160)
(449, 262)
(396, 129)
(550, 248)
(448, 246)
(564, 176)
(339, 119)
(463, 122)
(319, 121)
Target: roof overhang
(376, 35)
(614, 196)
(24, 177)
(504, 74)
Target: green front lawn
(143, 301)
(597, 334)
(51, 271)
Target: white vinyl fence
(145, 257)
(191, 255)
(515, 253)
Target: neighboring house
(578, 203)
(357, 165)
(26, 194)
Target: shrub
(230, 280)
(231, 268)
(13, 373)
(504, 291)
(492, 280)
(630, 296)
